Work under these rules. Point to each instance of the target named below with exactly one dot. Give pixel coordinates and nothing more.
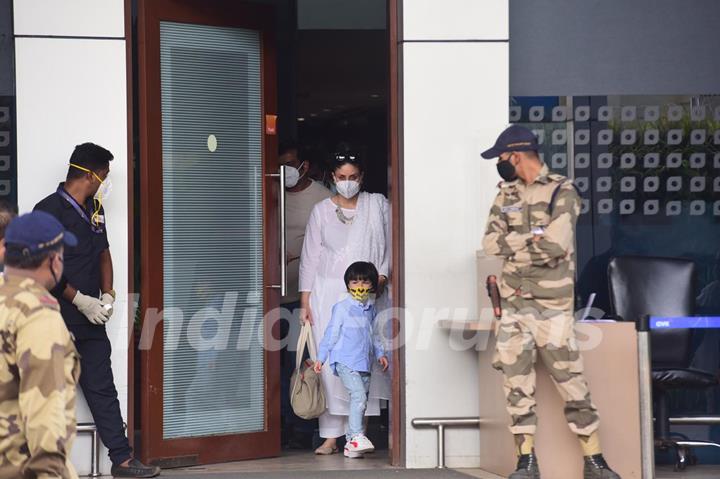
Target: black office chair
(641, 286)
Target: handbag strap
(311, 344)
(305, 339)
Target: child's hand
(318, 367)
(383, 362)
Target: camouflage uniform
(537, 290)
(39, 368)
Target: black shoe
(597, 468)
(135, 468)
(527, 467)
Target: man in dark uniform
(86, 296)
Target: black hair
(287, 146)
(7, 213)
(15, 257)
(346, 155)
(91, 156)
(362, 271)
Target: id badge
(511, 209)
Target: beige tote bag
(307, 397)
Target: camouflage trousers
(526, 331)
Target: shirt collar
(357, 303)
(64, 202)
(543, 175)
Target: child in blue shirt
(349, 346)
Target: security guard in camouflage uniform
(532, 227)
(39, 366)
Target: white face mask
(348, 188)
(292, 175)
(103, 192)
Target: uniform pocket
(539, 216)
(514, 214)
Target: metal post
(647, 441)
(95, 451)
(440, 423)
(441, 446)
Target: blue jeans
(358, 386)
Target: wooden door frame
(184, 451)
(396, 194)
(397, 403)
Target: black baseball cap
(514, 138)
(35, 232)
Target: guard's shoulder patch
(48, 300)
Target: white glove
(92, 308)
(108, 300)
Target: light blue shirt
(349, 337)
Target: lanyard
(79, 209)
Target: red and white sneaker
(348, 452)
(360, 443)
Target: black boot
(527, 467)
(597, 468)
(135, 468)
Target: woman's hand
(317, 367)
(382, 282)
(306, 316)
(383, 362)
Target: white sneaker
(361, 443)
(352, 454)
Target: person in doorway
(302, 193)
(348, 227)
(348, 347)
(532, 227)
(86, 295)
(7, 213)
(37, 357)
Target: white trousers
(332, 426)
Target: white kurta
(325, 257)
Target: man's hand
(382, 282)
(92, 308)
(108, 299)
(318, 367)
(383, 362)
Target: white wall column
(455, 103)
(71, 89)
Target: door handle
(283, 236)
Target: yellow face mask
(360, 294)
(102, 193)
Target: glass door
(210, 259)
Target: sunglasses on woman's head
(345, 158)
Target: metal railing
(441, 423)
(90, 428)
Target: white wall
(455, 104)
(69, 91)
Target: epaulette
(555, 192)
(558, 178)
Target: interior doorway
(321, 77)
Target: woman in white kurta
(350, 226)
